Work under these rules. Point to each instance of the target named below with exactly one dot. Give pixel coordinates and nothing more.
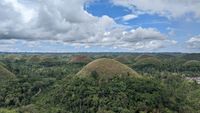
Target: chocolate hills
(123, 59)
(148, 61)
(4, 73)
(143, 56)
(107, 68)
(12, 58)
(2, 64)
(192, 63)
(48, 59)
(34, 59)
(80, 59)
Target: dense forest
(118, 83)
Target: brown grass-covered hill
(12, 58)
(2, 64)
(191, 56)
(106, 68)
(80, 59)
(165, 56)
(149, 61)
(142, 57)
(48, 59)
(34, 59)
(192, 63)
(4, 73)
(124, 59)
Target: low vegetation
(5, 74)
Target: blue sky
(99, 26)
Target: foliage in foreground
(120, 95)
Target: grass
(34, 59)
(12, 58)
(4, 73)
(192, 63)
(2, 110)
(123, 59)
(2, 64)
(148, 61)
(48, 59)
(80, 59)
(142, 57)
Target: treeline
(174, 65)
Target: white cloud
(68, 22)
(8, 45)
(135, 39)
(52, 20)
(25, 13)
(194, 42)
(140, 34)
(129, 17)
(144, 39)
(167, 8)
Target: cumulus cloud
(129, 17)
(68, 22)
(50, 19)
(194, 42)
(8, 45)
(167, 8)
(141, 38)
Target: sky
(100, 26)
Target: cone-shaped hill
(106, 68)
(80, 59)
(142, 57)
(165, 56)
(192, 63)
(123, 59)
(48, 59)
(192, 56)
(12, 58)
(34, 59)
(2, 64)
(148, 61)
(4, 73)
